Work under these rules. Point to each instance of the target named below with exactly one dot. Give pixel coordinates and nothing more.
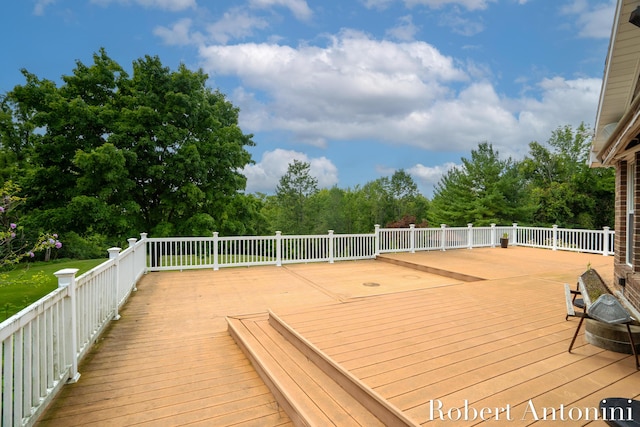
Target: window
(631, 192)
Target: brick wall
(621, 268)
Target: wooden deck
(413, 339)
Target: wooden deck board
(490, 353)
(417, 339)
(571, 391)
(169, 360)
(447, 366)
(389, 347)
(157, 367)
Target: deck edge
(428, 269)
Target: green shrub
(79, 247)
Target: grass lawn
(28, 283)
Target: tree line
(106, 155)
(553, 184)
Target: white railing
(179, 253)
(42, 345)
(590, 241)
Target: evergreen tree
(484, 190)
(294, 189)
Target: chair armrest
(569, 300)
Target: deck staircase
(308, 385)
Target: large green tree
(114, 153)
(562, 186)
(485, 189)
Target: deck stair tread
(306, 392)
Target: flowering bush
(13, 245)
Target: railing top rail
(95, 270)
(177, 239)
(247, 237)
(24, 316)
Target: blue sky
(356, 88)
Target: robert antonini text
(468, 412)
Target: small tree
(293, 192)
(406, 221)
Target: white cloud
(463, 26)
(433, 4)
(358, 88)
(405, 30)
(172, 5)
(334, 91)
(561, 102)
(428, 176)
(265, 175)
(592, 20)
(179, 33)
(299, 8)
(436, 4)
(235, 24)
(40, 5)
(377, 4)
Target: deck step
(430, 269)
(311, 388)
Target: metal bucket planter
(609, 336)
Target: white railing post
(279, 248)
(376, 240)
(143, 237)
(493, 235)
(515, 233)
(412, 238)
(132, 244)
(605, 242)
(470, 235)
(216, 239)
(67, 278)
(554, 245)
(114, 254)
(443, 237)
(331, 242)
